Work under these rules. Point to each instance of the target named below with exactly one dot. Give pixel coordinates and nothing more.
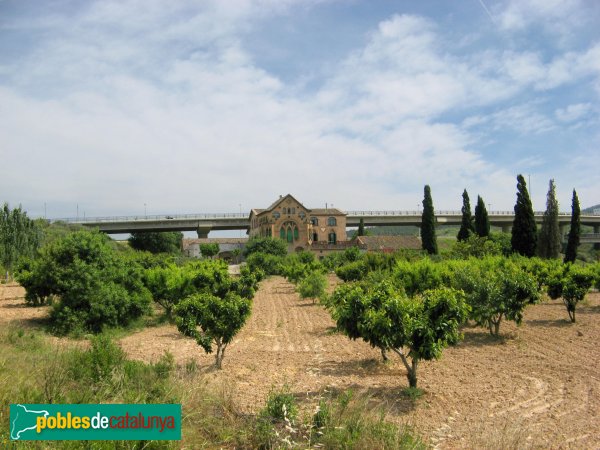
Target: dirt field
(538, 387)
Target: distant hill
(591, 209)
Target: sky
(146, 106)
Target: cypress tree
(361, 227)
(466, 226)
(482, 221)
(574, 231)
(524, 230)
(549, 240)
(428, 239)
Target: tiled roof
(327, 212)
(390, 243)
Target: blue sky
(205, 106)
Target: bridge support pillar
(203, 232)
(596, 231)
(506, 228)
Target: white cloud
(573, 112)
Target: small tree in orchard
(212, 320)
(312, 286)
(482, 221)
(209, 250)
(572, 283)
(496, 289)
(574, 230)
(466, 226)
(416, 328)
(524, 230)
(428, 238)
(549, 240)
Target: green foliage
(265, 245)
(312, 286)
(574, 230)
(361, 227)
(571, 282)
(212, 320)
(549, 239)
(482, 221)
(475, 246)
(524, 230)
(428, 239)
(503, 240)
(352, 271)
(266, 263)
(420, 276)
(496, 288)
(171, 284)
(281, 406)
(466, 226)
(209, 250)
(382, 315)
(337, 259)
(94, 285)
(19, 237)
(157, 242)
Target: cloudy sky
(205, 106)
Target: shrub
(572, 284)
(94, 285)
(313, 286)
(267, 263)
(265, 245)
(212, 320)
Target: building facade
(300, 227)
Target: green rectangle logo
(95, 422)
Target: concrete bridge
(204, 223)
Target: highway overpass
(204, 223)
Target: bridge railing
(152, 217)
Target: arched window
(332, 238)
(282, 233)
(331, 222)
(295, 233)
(290, 237)
(314, 221)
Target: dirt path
(538, 387)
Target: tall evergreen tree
(466, 226)
(524, 230)
(428, 239)
(361, 227)
(574, 231)
(19, 237)
(549, 240)
(482, 221)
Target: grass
(34, 370)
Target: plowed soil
(536, 387)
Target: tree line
(525, 239)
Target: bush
(157, 242)
(313, 286)
(94, 285)
(571, 282)
(266, 263)
(496, 289)
(265, 245)
(281, 405)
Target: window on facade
(290, 236)
(315, 237)
(331, 221)
(302, 215)
(295, 233)
(275, 215)
(282, 233)
(332, 238)
(314, 221)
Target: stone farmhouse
(322, 230)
